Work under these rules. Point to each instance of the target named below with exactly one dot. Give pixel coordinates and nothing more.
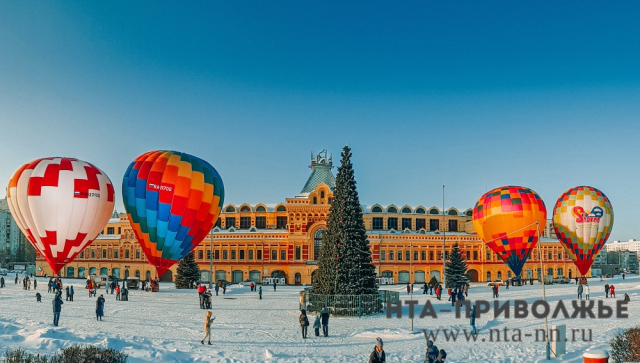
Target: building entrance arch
(473, 275)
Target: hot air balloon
(172, 200)
(583, 219)
(505, 220)
(61, 205)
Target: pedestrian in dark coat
(35, 284)
(316, 325)
(472, 320)
(71, 293)
(580, 289)
(100, 308)
(260, 292)
(57, 308)
(1, 282)
(424, 289)
(274, 286)
(66, 293)
(378, 356)
(38, 297)
(441, 356)
(217, 289)
(432, 352)
(324, 316)
(606, 290)
(453, 297)
(304, 323)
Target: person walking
(432, 352)
(57, 308)
(1, 282)
(612, 291)
(71, 293)
(224, 289)
(623, 276)
(207, 328)
(424, 289)
(580, 289)
(16, 278)
(217, 289)
(35, 284)
(66, 293)
(586, 291)
(117, 292)
(316, 325)
(378, 355)
(100, 307)
(495, 291)
(324, 317)
(453, 297)
(472, 320)
(304, 323)
(606, 290)
(274, 285)
(260, 292)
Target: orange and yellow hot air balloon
(505, 218)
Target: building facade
(10, 234)
(253, 241)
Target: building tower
(320, 172)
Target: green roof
(319, 174)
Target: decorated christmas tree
(344, 265)
(456, 268)
(187, 273)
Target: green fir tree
(456, 268)
(187, 273)
(344, 265)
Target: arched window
(260, 208)
(315, 200)
(452, 212)
(406, 210)
(392, 210)
(420, 211)
(469, 213)
(245, 208)
(434, 211)
(499, 275)
(281, 208)
(322, 194)
(376, 209)
(317, 243)
(488, 276)
(230, 209)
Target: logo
(160, 187)
(582, 216)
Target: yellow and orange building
(284, 239)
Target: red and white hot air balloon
(61, 205)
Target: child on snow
(316, 325)
(38, 297)
(207, 327)
(377, 356)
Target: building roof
(319, 174)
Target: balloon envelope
(173, 200)
(61, 205)
(583, 219)
(505, 220)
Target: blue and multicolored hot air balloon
(172, 200)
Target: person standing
(324, 316)
(304, 323)
(586, 291)
(432, 352)
(70, 293)
(453, 297)
(66, 294)
(623, 276)
(57, 308)
(442, 356)
(274, 285)
(612, 291)
(207, 327)
(378, 355)
(1, 282)
(217, 289)
(408, 289)
(16, 278)
(606, 290)
(100, 307)
(316, 325)
(117, 292)
(424, 289)
(260, 292)
(580, 289)
(472, 320)
(35, 284)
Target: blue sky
(473, 95)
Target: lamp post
(410, 274)
(444, 232)
(210, 259)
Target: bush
(625, 347)
(74, 354)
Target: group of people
(433, 287)
(321, 319)
(204, 295)
(432, 355)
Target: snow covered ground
(167, 326)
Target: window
(390, 255)
(423, 255)
(208, 255)
(406, 210)
(126, 253)
(382, 255)
(298, 254)
(420, 211)
(274, 254)
(407, 255)
(317, 243)
(283, 255)
(230, 222)
(250, 254)
(119, 230)
(104, 253)
(110, 230)
(392, 210)
(225, 255)
(245, 222)
(281, 208)
(281, 222)
(233, 254)
(488, 255)
(550, 271)
(200, 254)
(549, 255)
(399, 255)
(415, 255)
(230, 209)
(453, 225)
(376, 209)
(406, 223)
(115, 253)
(392, 223)
(430, 255)
(468, 255)
(137, 254)
(82, 254)
(421, 223)
(560, 256)
(216, 254)
(241, 254)
(260, 208)
(245, 209)
(475, 255)
(218, 223)
(434, 224)
(499, 275)
(377, 223)
(261, 222)
(315, 200)
(259, 254)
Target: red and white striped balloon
(61, 205)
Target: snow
(167, 326)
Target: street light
(444, 232)
(211, 259)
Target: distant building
(10, 234)
(630, 245)
(283, 240)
